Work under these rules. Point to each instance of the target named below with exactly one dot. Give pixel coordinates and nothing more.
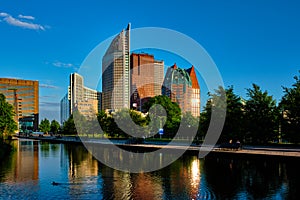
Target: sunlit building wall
(80, 98)
(195, 104)
(24, 96)
(146, 78)
(158, 76)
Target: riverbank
(291, 152)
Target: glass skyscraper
(116, 73)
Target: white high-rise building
(116, 73)
(80, 98)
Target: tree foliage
(261, 122)
(234, 117)
(54, 126)
(173, 113)
(7, 124)
(290, 112)
(45, 126)
(69, 127)
(226, 104)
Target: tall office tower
(195, 109)
(178, 87)
(79, 97)
(146, 77)
(24, 96)
(116, 73)
(158, 76)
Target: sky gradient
(250, 41)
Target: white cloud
(61, 64)
(48, 97)
(26, 17)
(48, 86)
(4, 14)
(49, 104)
(19, 23)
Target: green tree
(233, 125)
(261, 116)
(173, 114)
(104, 121)
(190, 125)
(7, 124)
(45, 126)
(124, 128)
(54, 127)
(218, 103)
(290, 112)
(69, 127)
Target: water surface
(29, 171)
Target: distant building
(178, 87)
(146, 78)
(116, 73)
(81, 98)
(24, 96)
(65, 108)
(195, 104)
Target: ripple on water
(206, 193)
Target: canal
(28, 173)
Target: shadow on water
(255, 178)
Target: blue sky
(250, 41)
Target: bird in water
(54, 183)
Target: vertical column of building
(126, 64)
(36, 105)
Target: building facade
(65, 108)
(146, 78)
(195, 106)
(80, 98)
(116, 73)
(178, 87)
(24, 96)
(158, 76)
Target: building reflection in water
(195, 178)
(29, 171)
(168, 182)
(24, 162)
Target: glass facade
(116, 73)
(178, 87)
